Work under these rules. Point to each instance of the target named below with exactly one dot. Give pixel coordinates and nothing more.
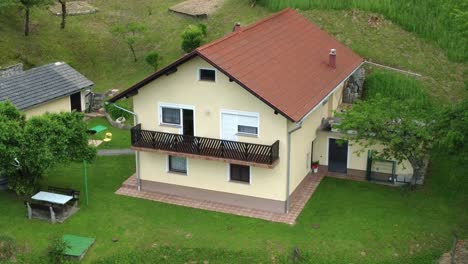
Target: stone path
(115, 152)
(298, 200)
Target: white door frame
(181, 107)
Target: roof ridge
(234, 33)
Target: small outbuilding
(54, 87)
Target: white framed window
(171, 116)
(239, 173)
(177, 164)
(207, 74)
(239, 123)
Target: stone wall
(354, 86)
(11, 70)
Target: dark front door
(188, 126)
(75, 101)
(337, 155)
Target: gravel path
(115, 152)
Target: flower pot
(315, 169)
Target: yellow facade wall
(301, 140)
(208, 99)
(357, 156)
(62, 104)
(54, 106)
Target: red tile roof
(282, 59)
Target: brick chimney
(332, 58)
(236, 27)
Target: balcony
(205, 148)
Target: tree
(153, 59)
(451, 130)
(63, 4)
(403, 128)
(129, 33)
(193, 37)
(27, 5)
(29, 147)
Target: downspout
(137, 153)
(288, 176)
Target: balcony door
(187, 122)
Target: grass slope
(444, 22)
(389, 224)
(88, 45)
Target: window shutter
(251, 121)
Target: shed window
(178, 164)
(207, 75)
(171, 115)
(239, 173)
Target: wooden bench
(66, 191)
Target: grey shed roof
(42, 84)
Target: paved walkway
(115, 152)
(298, 200)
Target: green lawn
(120, 137)
(389, 224)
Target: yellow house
(239, 121)
(54, 87)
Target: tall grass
(443, 21)
(396, 86)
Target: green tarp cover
(99, 128)
(77, 245)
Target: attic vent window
(207, 75)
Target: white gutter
(330, 93)
(288, 176)
(137, 153)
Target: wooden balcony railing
(212, 147)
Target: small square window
(171, 115)
(247, 130)
(239, 173)
(207, 75)
(178, 164)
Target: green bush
(153, 59)
(203, 28)
(115, 112)
(56, 250)
(7, 248)
(193, 37)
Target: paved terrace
(298, 200)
